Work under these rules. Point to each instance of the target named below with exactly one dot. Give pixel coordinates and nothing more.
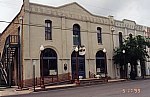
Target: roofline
(129, 20)
(67, 5)
(58, 8)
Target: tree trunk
(125, 72)
(132, 73)
(142, 69)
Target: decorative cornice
(59, 12)
(37, 9)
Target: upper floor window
(120, 39)
(99, 34)
(48, 30)
(76, 35)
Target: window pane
(99, 36)
(76, 34)
(75, 40)
(48, 25)
(101, 65)
(100, 62)
(49, 62)
(53, 64)
(48, 30)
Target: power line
(56, 27)
(97, 7)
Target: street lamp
(104, 50)
(41, 58)
(112, 30)
(77, 76)
(81, 51)
(34, 74)
(20, 52)
(123, 51)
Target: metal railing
(11, 41)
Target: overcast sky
(137, 10)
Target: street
(135, 88)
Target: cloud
(137, 10)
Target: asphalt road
(137, 88)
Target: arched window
(100, 62)
(49, 62)
(99, 34)
(76, 35)
(120, 39)
(48, 30)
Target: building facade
(47, 37)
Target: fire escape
(11, 46)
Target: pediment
(74, 8)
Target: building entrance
(80, 61)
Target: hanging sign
(82, 50)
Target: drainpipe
(21, 50)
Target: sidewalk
(13, 91)
(116, 80)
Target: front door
(80, 61)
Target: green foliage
(135, 49)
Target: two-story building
(51, 38)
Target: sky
(136, 10)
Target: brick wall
(11, 29)
(49, 80)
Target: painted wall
(62, 36)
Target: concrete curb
(121, 80)
(16, 91)
(75, 85)
(57, 87)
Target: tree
(135, 50)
